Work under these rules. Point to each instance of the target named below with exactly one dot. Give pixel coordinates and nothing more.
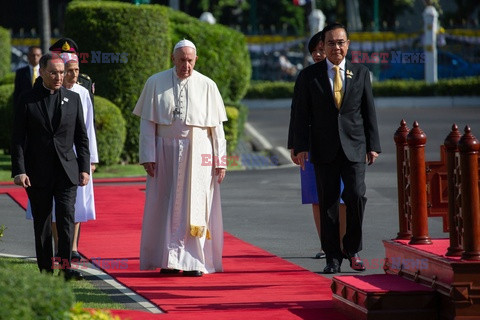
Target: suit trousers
(328, 187)
(41, 199)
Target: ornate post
(469, 146)
(430, 27)
(400, 138)
(416, 140)
(454, 225)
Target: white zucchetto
(184, 43)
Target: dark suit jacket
(36, 143)
(23, 83)
(353, 127)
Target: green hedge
(270, 90)
(6, 118)
(231, 129)
(8, 78)
(444, 87)
(110, 130)
(392, 88)
(222, 53)
(5, 52)
(114, 27)
(27, 295)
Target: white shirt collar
(341, 65)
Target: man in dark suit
(338, 106)
(25, 77)
(48, 125)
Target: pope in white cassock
(183, 150)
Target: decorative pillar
(454, 223)
(469, 146)
(400, 138)
(416, 140)
(430, 26)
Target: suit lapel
(323, 82)
(348, 80)
(63, 102)
(42, 106)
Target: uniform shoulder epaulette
(86, 76)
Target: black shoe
(355, 261)
(76, 256)
(193, 273)
(320, 255)
(332, 268)
(169, 271)
(70, 274)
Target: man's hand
(149, 168)
(84, 178)
(220, 172)
(302, 157)
(22, 180)
(293, 156)
(371, 157)
(93, 167)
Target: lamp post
(45, 33)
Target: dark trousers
(328, 187)
(41, 201)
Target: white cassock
(182, 223)
(85, 203)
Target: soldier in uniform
(69, 46)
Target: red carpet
(439, 247)
(383, 283)
(254, 285)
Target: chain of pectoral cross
(177, 96)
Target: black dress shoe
(70, 274)
(356, 262)
(193, 273)
(332, 268)
(169, 271)
(320, 255)
(76, 256)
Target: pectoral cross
(176, 112)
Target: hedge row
(146, 35)
(392, 88)
(5, 52)
(223, 54)
(140, 33)
(6, 120)
(27, 295)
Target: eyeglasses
(333, 44)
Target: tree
(466, 15)
(389, 12)
(281, 15)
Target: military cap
(64, 45)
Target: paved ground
(263, 207)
